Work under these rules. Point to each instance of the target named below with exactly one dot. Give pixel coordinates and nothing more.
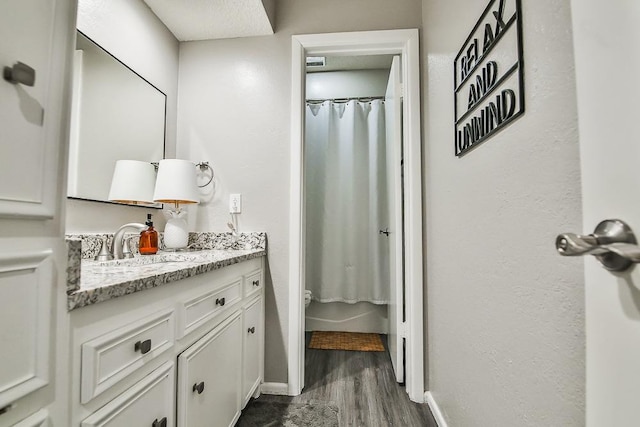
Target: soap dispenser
(148, 239)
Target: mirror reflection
(116, 114)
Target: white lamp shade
(133, 182)
(176, 182)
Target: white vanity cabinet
(175, 355)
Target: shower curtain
(347, 259)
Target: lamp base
(176, 235)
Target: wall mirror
(116, 114)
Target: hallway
(363, 387)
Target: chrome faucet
(118, 246)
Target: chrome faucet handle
(126, 250)
(104, 254)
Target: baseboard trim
(435, 409)
(280, 389)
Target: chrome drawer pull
(256, 283)
(220, 301)
(142, 346)
(252, 330)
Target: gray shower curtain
(346, 202)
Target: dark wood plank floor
(362, 385)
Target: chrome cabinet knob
(20, 73)
(142, 346)
(198, 387)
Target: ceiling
(213, 19)
(190, 20)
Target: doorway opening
(346, 218)
(404, 44)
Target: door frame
(393, 42)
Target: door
(35, 41)
(393, 123)
(253, 332)
(607, 45)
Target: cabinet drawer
(253, 282)
(113, 356)
(150, 402)
(39, 419)
(197, 311)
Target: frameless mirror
(116, 115)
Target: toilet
(307, 298)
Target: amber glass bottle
(148, 239)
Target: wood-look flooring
(362, 385)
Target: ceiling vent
(315, 61)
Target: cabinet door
(252, 349)
(209, 376)
(29, 148)
(25, 301)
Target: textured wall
(346, 84)
(505, 312)
(131, 32)
(234, 110)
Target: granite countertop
(91, 282)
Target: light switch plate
(235, 203)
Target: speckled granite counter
(90, 282)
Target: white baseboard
(280, 389)
(435, 409)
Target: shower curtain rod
(344, 100)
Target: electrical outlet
(235, 203)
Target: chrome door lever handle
(612, 243)
(569, 244)
(386, 232)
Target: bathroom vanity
(168, 339)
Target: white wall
(505, 313)
(131, 32)
(346, 84)
(234, 110)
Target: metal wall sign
(489, 75)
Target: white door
(33, 116)
(393, 123)
(607, 53)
